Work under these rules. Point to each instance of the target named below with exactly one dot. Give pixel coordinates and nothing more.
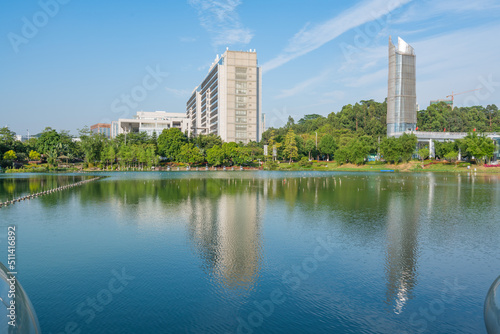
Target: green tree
(408, 143)
(358, 151)
(10, 155)
(110, 154)
(7, 137)
(309, 146)
(451, 156)
(443, 148)
(205, 142)
(190, 154)
(478, 146)
(125, 156)
(290, 149)
(390, 149)
(342, 155)
(151, 156)
(48, 141)
(143, 157)
(327, 146)
(34, 156)
(424, 153)
(51, 157)
(243, 155)
(170, 142)
(92, 145)
(230, 153)
(215, 155)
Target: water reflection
(402, 249)
(17, 185)
(224, 215)
(226, 233)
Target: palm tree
(51, 157)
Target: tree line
(347, 136)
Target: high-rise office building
(401, 95)
(228, 101)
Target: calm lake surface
(256, 252)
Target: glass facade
(102, 128)
(401, 95)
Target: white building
(151, 122)
(228, 101)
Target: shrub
(304, 162)
(271, 165)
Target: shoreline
(411, 167)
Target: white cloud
(369, 79)
(311, 38)
(431, 9)
(221, 20)
(300, 87)
(336, 94)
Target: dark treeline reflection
(19, 185)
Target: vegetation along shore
(352, 139)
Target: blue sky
(68, 63)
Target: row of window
(241, 73)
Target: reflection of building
(228, 101)
(151, 122)
(102, 128)
(402, 250)
(401, 95)
(226, 232)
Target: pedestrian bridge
(429, 137)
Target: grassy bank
(412, 166)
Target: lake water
(257, 252)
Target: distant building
(228, 101)
(448, 102)
(102, 128)
(401, 94)
(150, 122)
(24, 138)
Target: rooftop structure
(150, 122)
